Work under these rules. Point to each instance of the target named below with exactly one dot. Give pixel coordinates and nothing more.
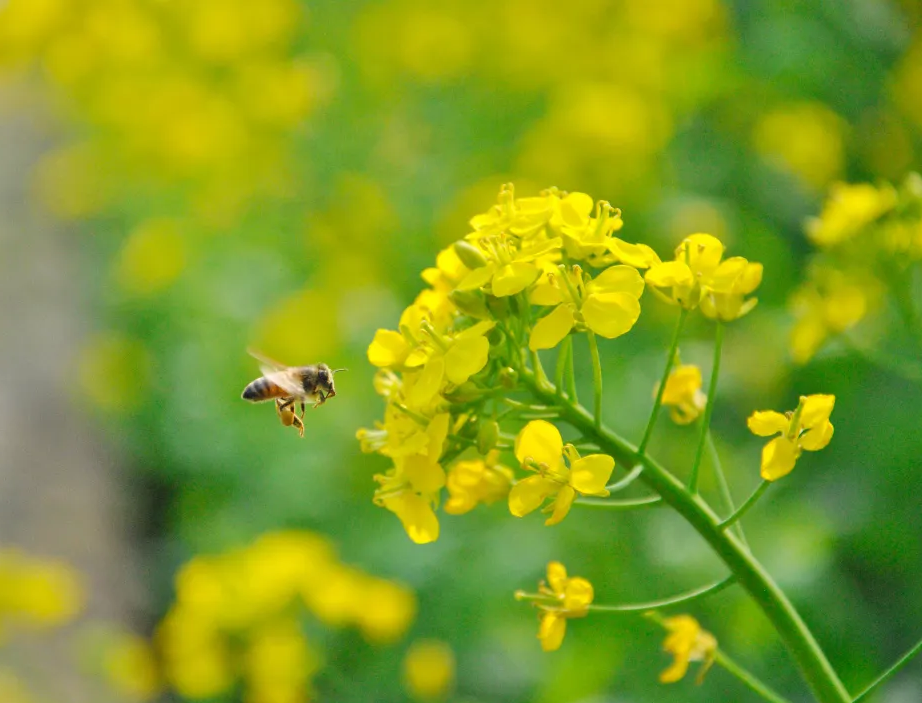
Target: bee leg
(321, 400)
(283, 404)
(303, 408)
(298, 423)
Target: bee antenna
(335, 371)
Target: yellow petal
(815, 439)
(816, 409)
(575, 209)
(428, 383)
(530, 493)
(778, 458)
(551, 329)
(541, 441)
(545, 294)
(617, 279)
(767, 422)
(610, 314)
(388, 348)
(477, 278)
(424, 474)
(704, 252)
(590, 474)
(437, 433)
(551, 631)
(465, 358)
(676, 670)
(557, 577)
(638, 255)
(514, 278)
(563, 501)
(577, 595)
(416, 514)
(724, 278)
(668, 274)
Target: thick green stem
(708, 409)
(749, 573)
(670, 360)
(747, 678)
(596, 379)
(564, 354)
(889, 672)
(626, 504)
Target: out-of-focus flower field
(275, 175)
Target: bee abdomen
(260, 389)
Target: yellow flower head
(698, 277)
(475, 481)
(687, 642)
(808, 427)
(560, 599)
(849, 209)
(608, 304)
(540, 448)
(429, 670)
(683, 394)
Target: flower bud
(487, 436)
(470, 255)
(470, 303)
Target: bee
(291, 385)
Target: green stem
(744, 508)
(747, 678)
(672, 601)
(708, 409)
(750, 574)
(723, 486)
(596, 379)
(658, 402)
(901, 287)
(626, 481)
(626, 504)
(916, 648)
(571, 376)
(564, 353)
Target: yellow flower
(38, 592)
(687, 642)
(683, 394)
(540, 448)
(561, 598)
(849, 209)
(429, 670)
(608, 305)
(130, 667)
(807, 427)
(279, 661)
(414, 509)
(697, 276)
(475, 481)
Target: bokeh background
(182, 180)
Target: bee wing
(266, 364)
(285, 380)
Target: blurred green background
(183, 180)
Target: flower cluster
(532, 273)
(868, 238)
(237, 616)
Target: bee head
(325, 379)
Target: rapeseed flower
(474, 481)
(559, 599)
(687, 642)
(808, 427)
(539, 448)
(608, 304)
(429, 670)
(848, 210)
(683, 395)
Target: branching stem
(708, 409)
(670, 360)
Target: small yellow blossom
(429, 670)
(540, 448)
(475, 481)
(683, 394)
(560, 599)
(848, 210)
(698, 277)
(608, 304)
(130, 667)
(687, 642)
(37, 592)
(808, 427)
(415, 510)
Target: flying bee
(290, 385)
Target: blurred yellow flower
(539, 448)
(429, 670)
(14, 690)
(37, 592)
(608, 304)
(279, 662)
(152, 257)
(130, 667)
(806, 138)
(683, 394)
(808, 427)
(687, 642)
(559, 599)
(848, 210)
(474, 481)
(113, 371)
